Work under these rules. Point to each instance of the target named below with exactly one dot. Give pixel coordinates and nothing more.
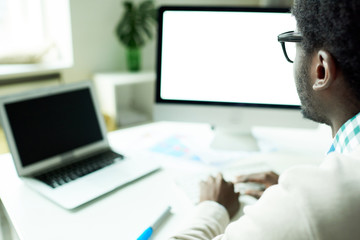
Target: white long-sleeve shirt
(309, 202)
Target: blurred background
(46, 42)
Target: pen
(148, 232)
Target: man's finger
(220, 178)
(211, 179)
(255, 193)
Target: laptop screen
(48, 126)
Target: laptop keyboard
(79, 169)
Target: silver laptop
(58, 141)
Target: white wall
(95, 46)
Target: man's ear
(324, 70)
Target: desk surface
(126, 212)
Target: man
(308, 202)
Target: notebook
(58, 141)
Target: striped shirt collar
(348, 136)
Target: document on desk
(195, 149)
(179, 141)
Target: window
(35, 32)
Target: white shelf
(123, 78)
(126, 97)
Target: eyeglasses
(288, 42)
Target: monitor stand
(237, 140)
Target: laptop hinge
(69, 156)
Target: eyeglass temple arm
(285, 53)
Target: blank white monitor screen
(227, 56)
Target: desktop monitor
(224, 66)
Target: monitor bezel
(163, 9)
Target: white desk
(125, 213)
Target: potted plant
(134, 29)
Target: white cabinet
(126, 98)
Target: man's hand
(218, 190)
(266, 178)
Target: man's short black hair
(333, 25)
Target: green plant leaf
(128, 5)
(147, 30)
(135, 26)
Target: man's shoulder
(345, 165)
(327, 194)
(322, 186)
(334, 167)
